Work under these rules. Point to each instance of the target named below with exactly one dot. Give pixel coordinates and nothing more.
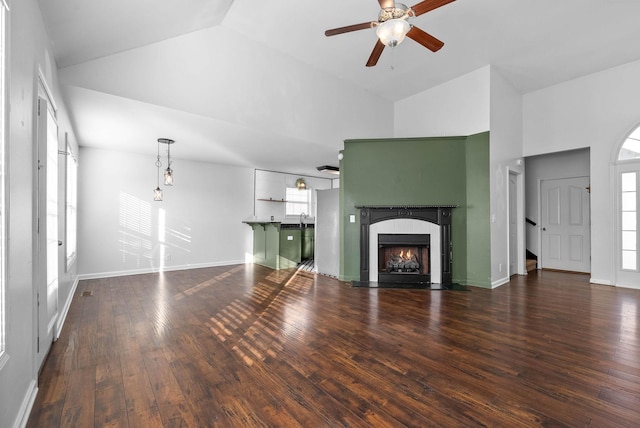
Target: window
(631, 147)
(3, 255)
(71, 206)
(628, 187)
(298, 201)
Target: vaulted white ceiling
(256, 83)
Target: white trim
(51, 327)
(613, 284)
(43, 81)
(614, 223)
(70, 164)
(498, 282)
(615, 152)
(409, 226)
(521, 263)
(4, 358)
(4, 180)
(629, 286)
(65, 310)
(26, 406)
(618, 273)
(98, 275)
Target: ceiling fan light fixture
(392, 32)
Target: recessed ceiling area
(258, 84)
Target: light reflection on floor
(208, 283)
(276, 312)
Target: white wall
(29, 51)
(271, 184)
(241, 83)
(505, 151)
(595, 111)
(457, 107)
(199, 223)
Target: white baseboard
(632, 287)
(65, 309)
(498, 282)
(27, 404)
(607, 282)
(600, 281)
(113, 274)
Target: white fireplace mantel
(405, 226)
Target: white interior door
(46, 229)
(565, 224)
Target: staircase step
(531, 265)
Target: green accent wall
(420, 171)
(478, 258)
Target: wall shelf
(271, 200)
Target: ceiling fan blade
(348, 29)
(425, 39)
(384, 4)
(427, 6)
(375, 54)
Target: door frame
(620, 278)
(42, 91)
(521, 251)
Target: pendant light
(157, 193)
(168, 173)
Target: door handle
(544, 228)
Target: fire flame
(407, 257)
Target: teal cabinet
(308, 242)
(290, 248)
(259, 244)
(278, 246)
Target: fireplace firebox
(404, 258)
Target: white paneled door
(565, 224)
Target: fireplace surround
(436, 214)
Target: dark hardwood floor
(248, 346)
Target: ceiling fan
(393, 25)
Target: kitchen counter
(281, 245)
(282, 223)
